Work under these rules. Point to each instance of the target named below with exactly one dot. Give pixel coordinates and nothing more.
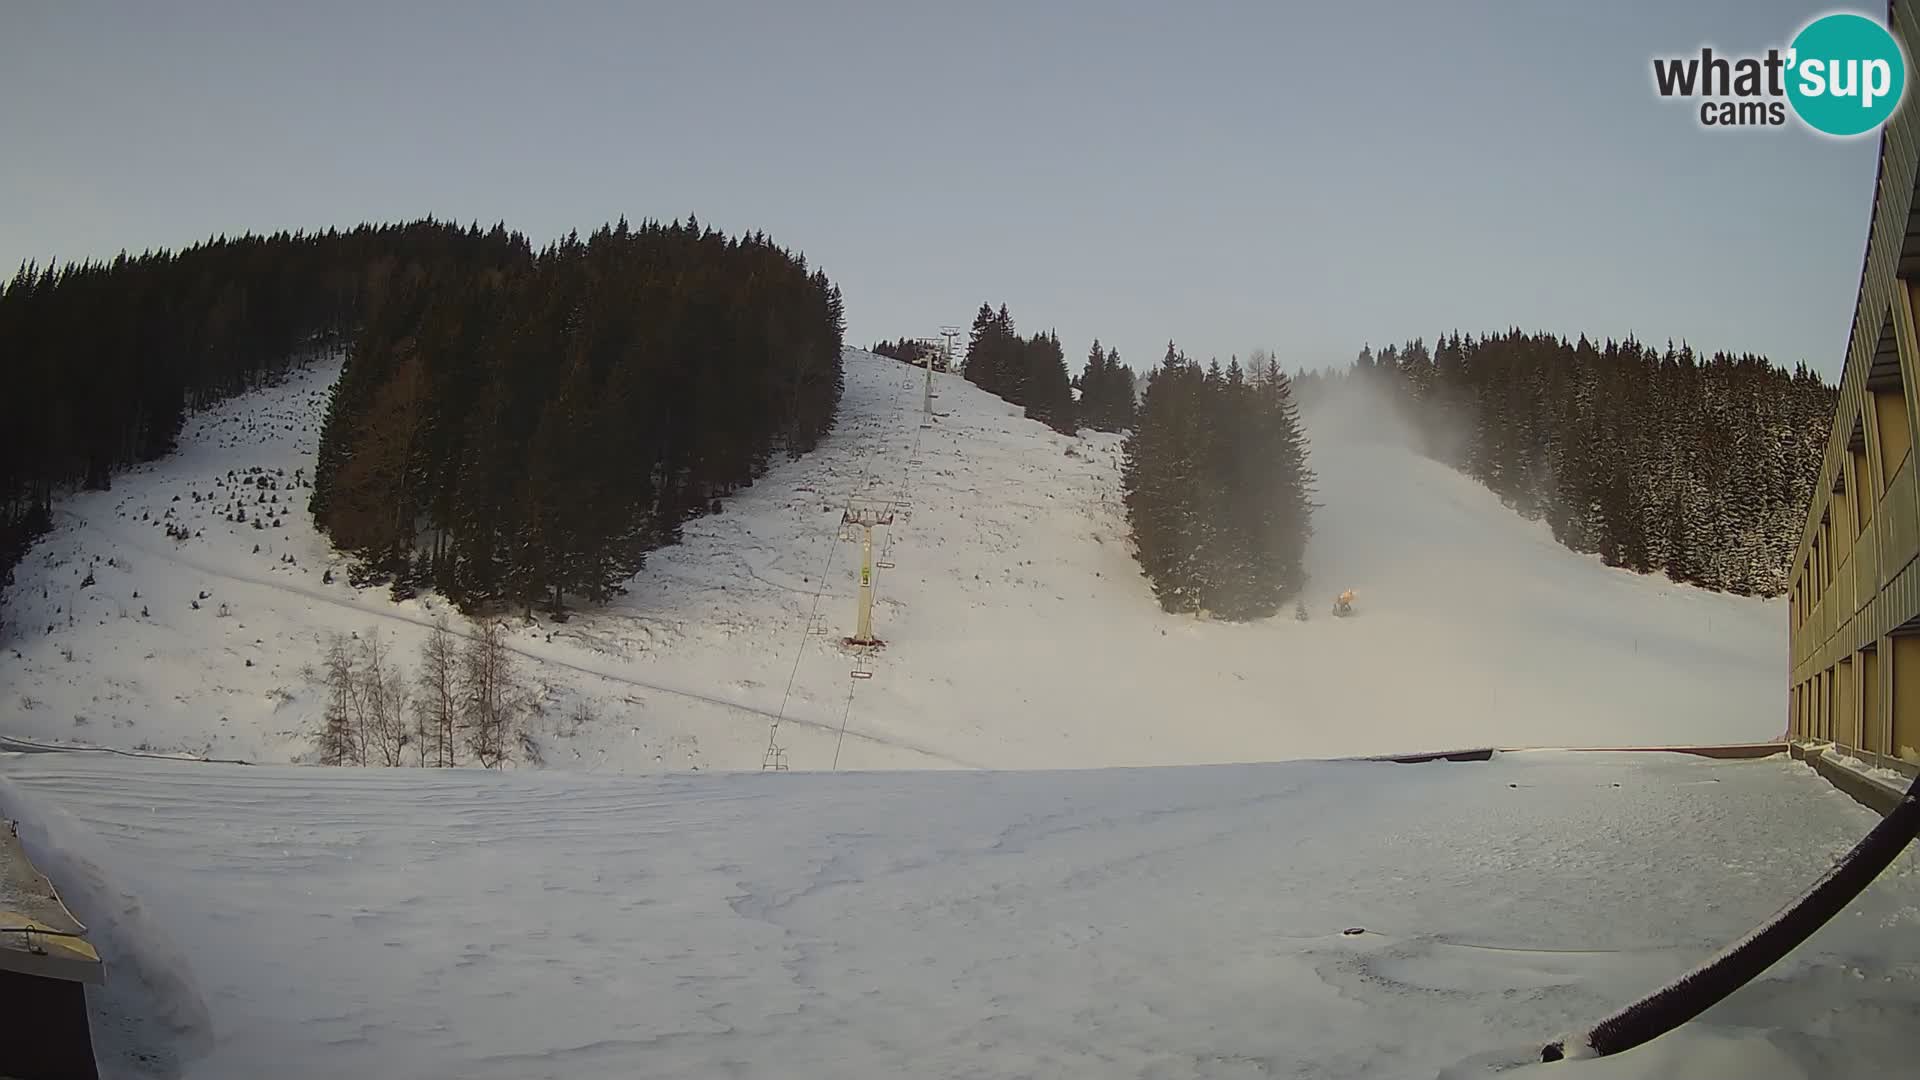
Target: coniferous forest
(909, 351)
(1217, 488)
(1029, 371)
(1108, 396)
(1699, 467)
(103, 360)
(517, 428)
(522, 434)
(491, 391)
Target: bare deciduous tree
(338, 742)
(492, 693)
(439, 702)
(384, 698)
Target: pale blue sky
(1303, 177)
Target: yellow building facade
(1854, 597)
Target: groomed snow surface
(1168, 922)
(1019, 631)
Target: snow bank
(150, 1012)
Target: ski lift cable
(906, 486)
(826, 569)
(844, 713)
(886, 550)
(853, 683)
(1739, 963)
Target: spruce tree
(1655, 459)
(981, 365)
(1124, 399)
(1217, 489)
(1048, 389)
(1093, 387)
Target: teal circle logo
(1846, 74)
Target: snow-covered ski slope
(1177, 922)
(1019, 632)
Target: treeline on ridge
(1700, 467)
(910, 351)
(1032, 372)
(1029, 371)
(733, 355)
(103, 359)
(519, 432)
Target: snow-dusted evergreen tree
(1657, 460)
(1217, 489)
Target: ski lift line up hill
(859, 519)
(863, 639)
(775, 757)
(1016, 540)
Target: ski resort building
(1854, 597)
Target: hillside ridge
(1019, 632)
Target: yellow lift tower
(866, 519)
